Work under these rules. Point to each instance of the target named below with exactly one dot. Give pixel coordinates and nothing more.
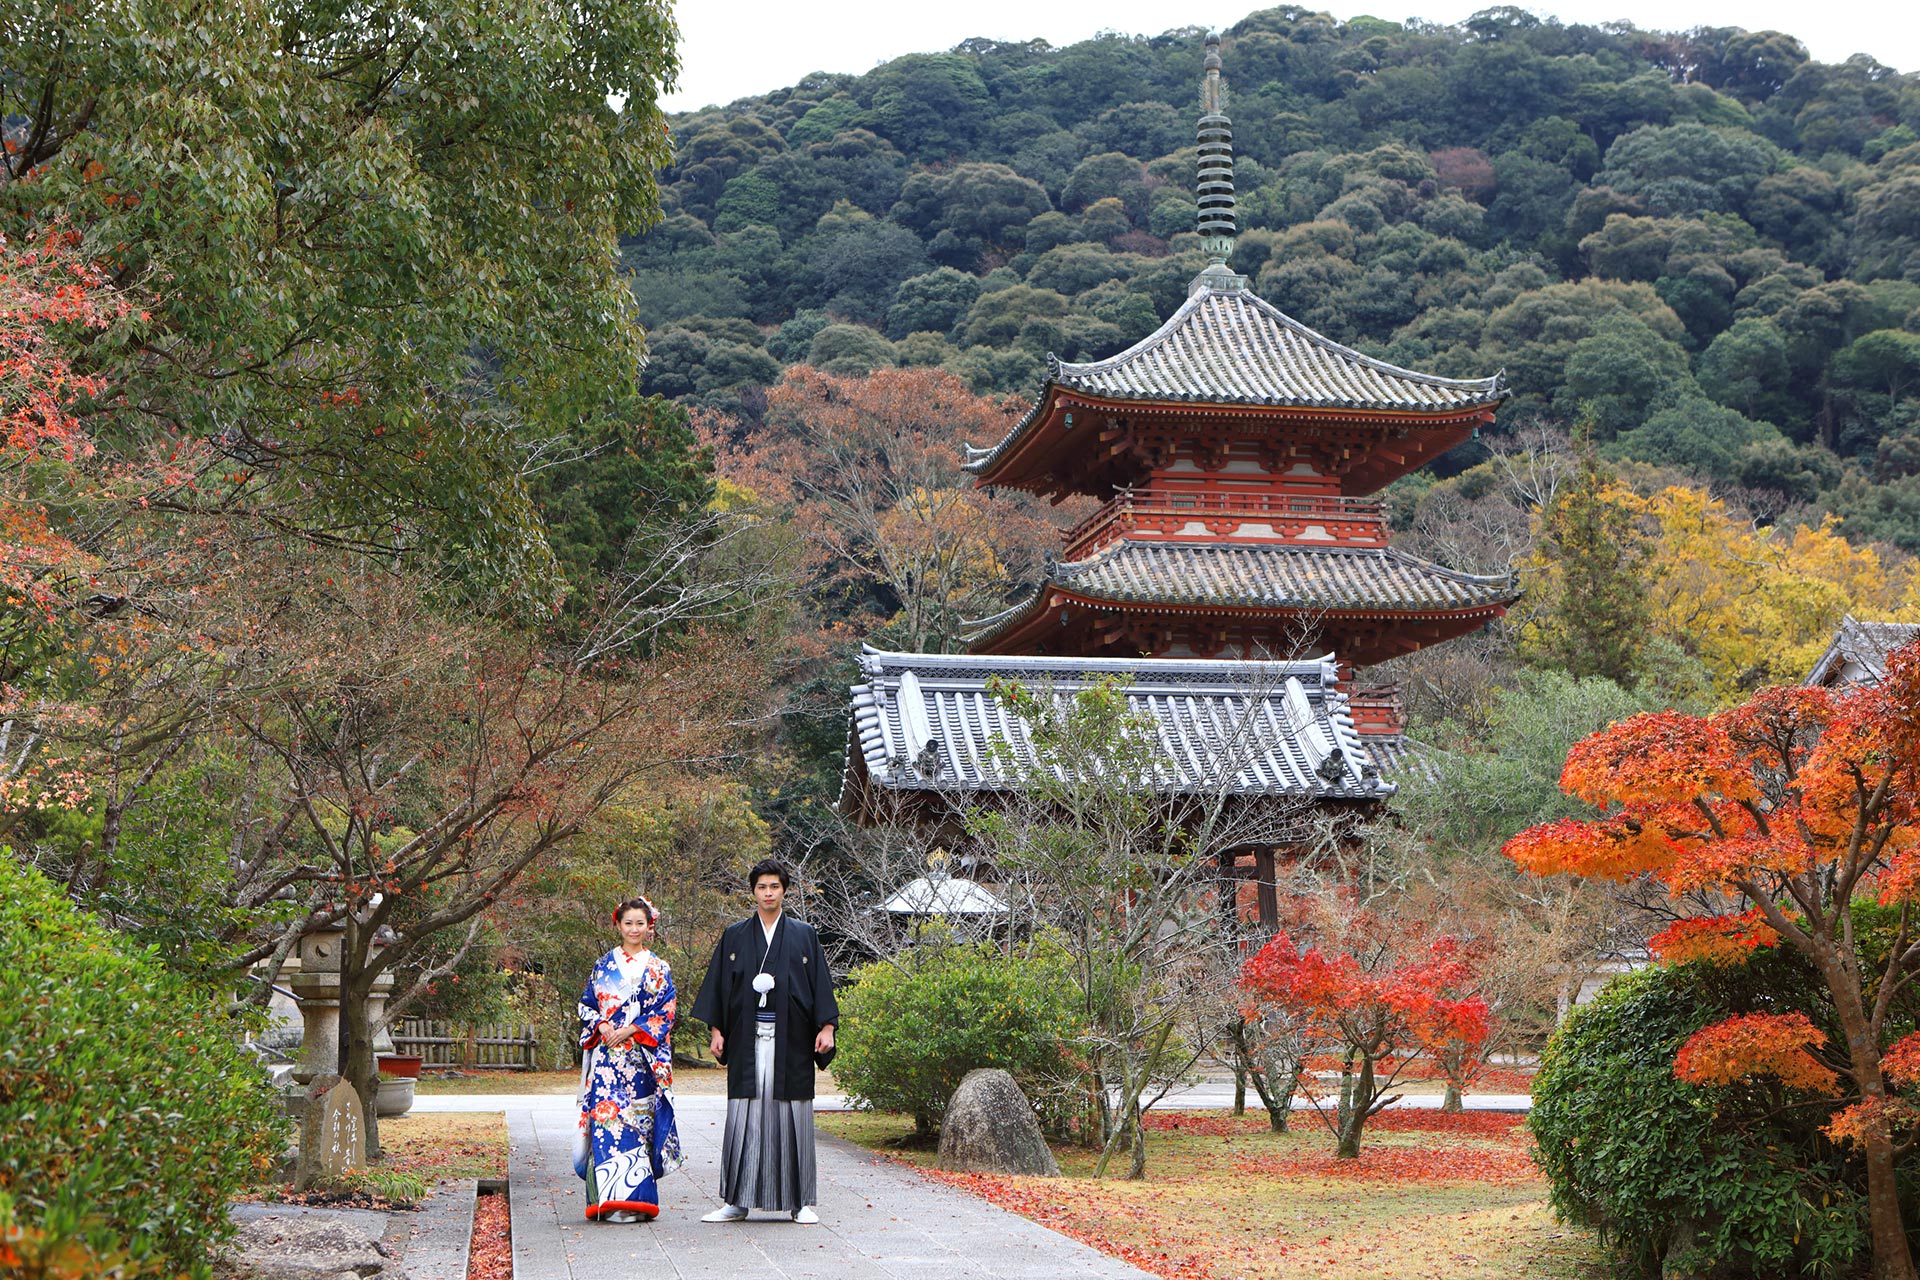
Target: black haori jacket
(802, 1002)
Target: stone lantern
(316, 992)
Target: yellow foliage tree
(1754, 605)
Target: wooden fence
(440, 1043)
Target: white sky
(737, 48)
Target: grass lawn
(458, 1144)
(1432, 1198)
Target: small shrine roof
(1343, 580)
(1228, 346)
(926, 723)
(1858, 654)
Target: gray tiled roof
(925, 722)
(1400, 756)
(1243, 575)
(1858, 654)
(1228, 346)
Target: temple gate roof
(926, 723)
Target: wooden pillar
(1229, 890)
(1264, 887)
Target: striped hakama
(766, 1153)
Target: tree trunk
(1345, 1106)
(1354, 1108)
(357, 1063)
(1450, 1104)
(1137, 1168)
(1276, 1086)
(1892, 1257)
(1240, 1086)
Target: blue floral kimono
(627, 1134)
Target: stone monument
(333, 1133)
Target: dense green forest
(1705, 246)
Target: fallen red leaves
(1086, 1221)
(1465, 1124)
(1500, 1166)
(1486, 1080)
(490, 1256)
(1209, 1124)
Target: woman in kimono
(627, 1136)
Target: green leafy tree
(632, 475)
(850, 351)
(969, 210)
(192, 1115)
(931, 106)
(1689, 168)
(1702, 437)
(1746, 367)
(359, 311)
(915, 1024)
(1595, 618)
(825, 119)
(1622, 372)
(934, 302)
(860, 268)
(1675, 1181)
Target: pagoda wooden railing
(1274, 516)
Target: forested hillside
(1703, 246)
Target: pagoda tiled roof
(1342, 580)
(1859, 652)
(1228, 346)
(926, 722)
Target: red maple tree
(1789, 808)
(1379, 1001)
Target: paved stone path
(878, 1220)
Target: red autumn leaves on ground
(1476, 1147)
(1030, 1198)
(490, 1253)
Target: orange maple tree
(1789, 808)
(1380, 998)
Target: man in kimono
(768, 996)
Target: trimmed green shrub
(65, 1244)
(1736, 1180)
(125, 1097)
(915, 1025)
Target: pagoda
(1236, 454)
(1237, 573)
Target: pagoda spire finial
(1215, 187)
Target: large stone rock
(989, 1128)
(310, 1246)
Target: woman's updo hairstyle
(636, 903)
